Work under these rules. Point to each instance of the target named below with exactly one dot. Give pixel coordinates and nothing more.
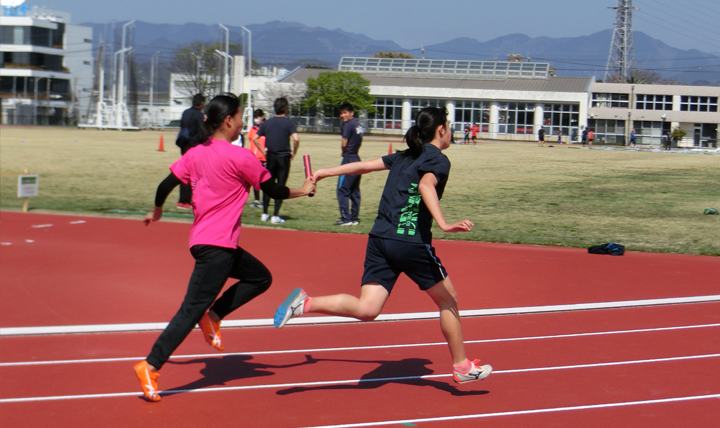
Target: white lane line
(524, 412)
(5, 243)
(267, 322)
(37, 226)
(29, 240)
(78, 222)
(354, 381)
(359, 348)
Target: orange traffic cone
(390, 149)
(161, 147)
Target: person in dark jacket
(541, 137)
(190, 123)
(667, 140)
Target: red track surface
(108, 271)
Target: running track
(650, 365)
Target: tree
(393, 55)
(642, 77)
(329, 90)
(678, 134)
(200, 68)
(294, 92)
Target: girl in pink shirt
(221, 176)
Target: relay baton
(308, 170)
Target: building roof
(552, 84)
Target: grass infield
(513, 192)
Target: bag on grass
(712, 211)
(610, 248)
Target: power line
(703, 6)
(672, 26)
(714, 26)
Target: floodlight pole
(249, 75)
(121, 78)
(152, 76)
(226, 75)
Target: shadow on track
(406, 372)
(218, 371)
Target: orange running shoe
(211, 332)
(148, 380)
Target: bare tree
(642, 77)
(391, 54)
(200, 68)
(294, 92)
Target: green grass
(513, 192)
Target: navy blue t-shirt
(353, 131)
(277, 132)
(402, 214)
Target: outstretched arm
(277, 191)
(354, 168)
(429, 195)
(163, 190)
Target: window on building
(697, 103)
(603, 100)
(653, 102)
(471, 112)
(387, 115)
(563, 118)
(610, 131)
(420, 104)
(650, 133)
(519, 118)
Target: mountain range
(291, 44)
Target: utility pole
(622, 54)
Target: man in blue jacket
(190, 123)
(348, 188)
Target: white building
(181, 91)
(513, 100)
(46, 67)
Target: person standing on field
(258, 119)
(541, 137)
(348, 187)
(278, 153)
(190, 123)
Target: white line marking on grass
(352, 381)
(357, 348)
(266, 322)
(41, 225)
(524, 412)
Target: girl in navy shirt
(400, 241)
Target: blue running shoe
(292, 307)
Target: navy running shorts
(386, 259)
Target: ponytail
(426, 123)
(219, 108)
(414, 142)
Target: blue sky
(691, 24)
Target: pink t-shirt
(221, 175)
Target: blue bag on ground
(610, 248)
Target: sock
(307, 304)
(463, 367)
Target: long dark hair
(427, 121)
(219, 108)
